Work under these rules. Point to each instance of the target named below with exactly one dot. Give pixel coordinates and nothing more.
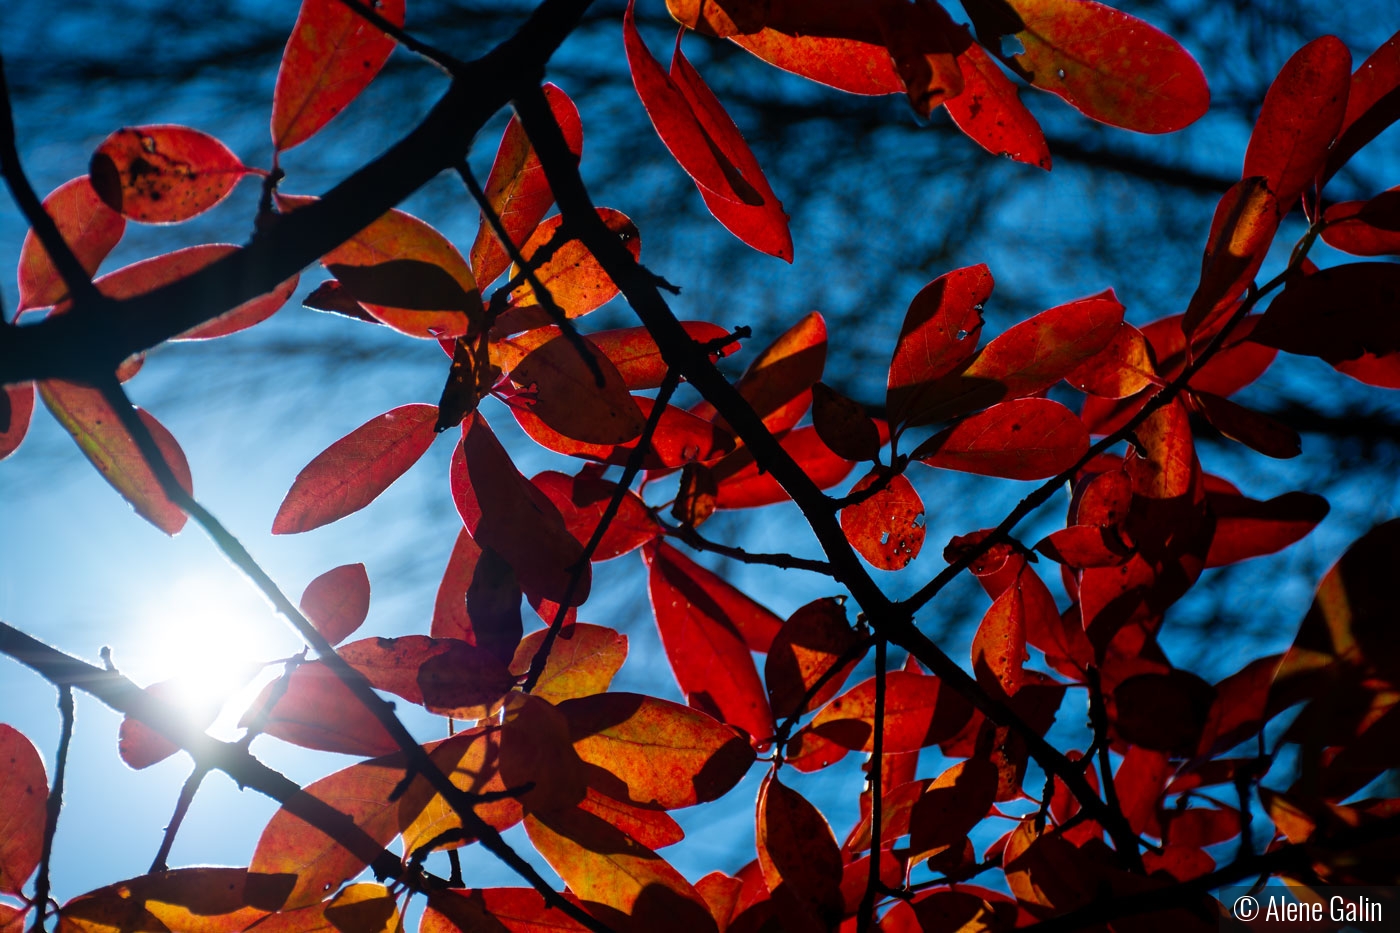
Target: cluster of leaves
(591, 773)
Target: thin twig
(53, 807)
(177, 818)
(852, 654)
(448, 64)
(865, 915)
(629, 473)
(1098, 721)
(687, 534)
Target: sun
(213, 635)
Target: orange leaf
(653, 753)
(887, 528)
(990, 113)
(289, 846)
(96, 427)
(1110, 66)
(634, 352)
(953, 804)
(537, 757)
(571, 275)
(24, 790)
(763, 226)
(337, 601)
(799, 857)
(16, 409)
(809, 644)
(318, 711)
(848, 65)
(1029, 438)
(777, 383)
(352, 472)
(940, 332)
(999, 647)
(333, 54)
(743, 486)
(616, 875)
(163, 174)
(1241, 232)
(1125, 367)
(1302, 113)
(472, 762)
(917, 714)
(516, 188)
(198, 900)
(88, 226)
(582, 499)
(582, 661)
(565, 394)
(680, 438)
(708, 629)
(654, 829)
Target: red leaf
(634, 352)
(508, 515)
(743, 486)
(1125, 367)
(473, 761)
(763, 226)
(778, 381)
(364, 793)
(447, 676)
(517, 189)
(337, 601)
(615, 875)
(1081, 546)
(1163, 712)
(450, 618)
(1241, 231)
(571, 275)
(999, 647)
(1026, 359)
(196, 900)
(887, 528)
(1029, 438)
(953, 804)
(140, 746)
(843, 425)
(408, 275)
(88, 226)
(1372, 105)
(318, 711)
(96, 427)
(917, 714)
(680, 438)
(16, 409)
(514, 910)
(24, 790)
(989, 111)
(581, 662)
(1246, 528)
(1268, 436)
(564, 392)
(708, 629)
(1349, 227)
(352, 472)
(1336, 314)
(1110, 66)
(653, 753)
(582, 499)
(848, 65)
(163, 174)
(924, 43)
(939, 334)
(811, 642)
(1302, 113)
(799, 857)
(333, 54)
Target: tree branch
(53, 807)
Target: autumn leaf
(1108, 65)
(87, 225)
(799, 856)
(97, 429)
(1246, 528)
(999, 647)
(917, 714)
(951, 806)
(1241, 232)
(352, 472)
(583, 661)
(811, 642)
(990, 113)
(337, 601)
(516, 910)
(447, 676)
(742, 485)
(163, 174)
(1372, 105)
(24, 790)
(887, 527)
(1336, 314)
(571, 274)
(333, 54)
(16, 409)
(1029, 438)
(141, 746)
(315, 709)
(572, 387)
(582, 500)
(939, 334)
(843, 425)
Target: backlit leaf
(571, 274)
(582, 499)
(799, 856)
(1352, 229)
(24, 791)
(538, 758)
(1246, 528)
(777, 383)
(1123, 368)
(917, 714)
(1372, 104)
(289, 846)
(96, 427)
(450, 618)
(680, 438)
(1336, 314)
(1029, 438)
(654, 829)
(447, 676)
(317, 710)
(953, 804)
(88, 226)
(333, 54)
(337, 601)
(163, 174)
(939, 334)
(810, 643)
(999, 647)
(16, 410)
(708, 629)
(1241, 231)
(472, 762)
(888, 527)
(1259, 432)
(843, 425)
(850, 65)
(492, 910)
(654, 753)
(517, 189)
(141, 746)
(1110, 66)
(582, 661)
(1302, 112)
(989, 111)
(743, 486)
(352, 472)
(634, 352)
(565, 394)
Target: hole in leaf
(885, 537)
(1010, 45)
(1060, 73)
